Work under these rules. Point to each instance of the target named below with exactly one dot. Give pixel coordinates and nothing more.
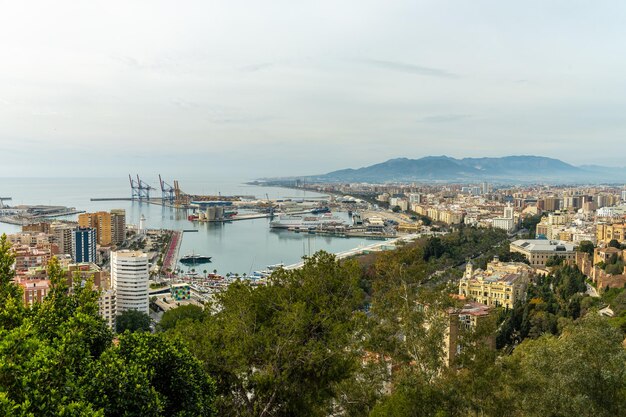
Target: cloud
(257, 67)
(410, 68)
(444, 118)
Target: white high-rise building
(507, 221)
(129, 279)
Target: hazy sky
(257, 88)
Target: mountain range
(520, 168)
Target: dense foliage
(133, 321)
(278, 350)
(332, 338)
(172, 317)
(58, 358)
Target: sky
(277, 88)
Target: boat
(275, 266)
(304, 223)
(320, 210)
(195, 259)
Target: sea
(235, 247)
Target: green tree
(280, 349)
(186, 312)
(132, 320)
(587, 247)
(59, 360)
(184, 389)
(580, 373)
(530, 223)
(11, 305)
(555, 261)
(614, 243)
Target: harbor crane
(168, 192)
(139, 189)
(181, 198)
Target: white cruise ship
(286, 221)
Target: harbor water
(236, 247)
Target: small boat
(195, 259)
(275, 266)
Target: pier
(151, 200)
(171, 254)
(22, 215)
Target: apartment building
(129, 279)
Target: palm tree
(215, 271)
(204, 272)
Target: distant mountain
(522, 168)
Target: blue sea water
(240, 246)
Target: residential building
(34, 290)
(101, 222)
(538, 251)
(118, 226)
(507, 221)
(84, 244)
(43, 227)
(29, 257)
(460, 320)
(86, 271)
(107, 306)
(62, 237)
(129, 279)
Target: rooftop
(543, 245)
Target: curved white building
(129, 279)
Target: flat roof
(544, 245)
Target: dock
(171, 254)
(21, 216)
(251, 216)
(151, 200)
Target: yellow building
(101, 221)
(501, 284)
(607, 232)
